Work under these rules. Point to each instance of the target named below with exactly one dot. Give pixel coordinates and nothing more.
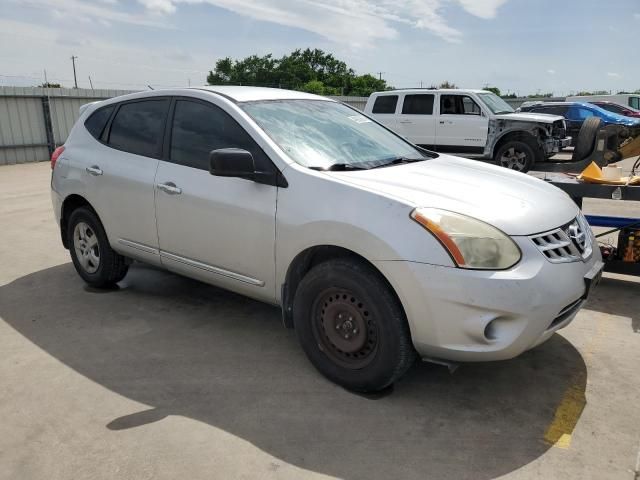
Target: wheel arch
(304, 261)
(69, 205)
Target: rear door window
(634, 102)
(199, 128)
(138, 127)
(385, 104)
(421, 104)
(98, 120)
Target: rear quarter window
(98, 120)
(385, 104)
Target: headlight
(470, 242)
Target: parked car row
(575, 113)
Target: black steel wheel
(352, 326)
(344, 327)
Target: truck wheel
(92, 256)
(351, 325)
(517, 155)
(586, 141)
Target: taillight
(54, 156)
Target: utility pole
(379, 75)
(90, 82)
(45, 76)
(75, 80)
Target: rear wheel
(93, 258)
(351, 325)
(586, 141)
(519, 155)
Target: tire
(92, 256)
(586, 140)
(518, 155)
(352, 326)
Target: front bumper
(472, 315)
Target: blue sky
(518, 45)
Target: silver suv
(377, 251)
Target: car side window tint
(138, 127)
(98, 120)
(199, 128)
(385, 104)
(421, 104)
(553, 110)
(634, 102)
(584, 113)
(458, 105)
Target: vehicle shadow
(186, 348)
(617, 296)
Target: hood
(516, 203)
(530, 117)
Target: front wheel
(516, 155)
(351, 325)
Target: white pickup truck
(474, 123)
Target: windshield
(321, 134)
(495, 103)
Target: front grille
(569, 243)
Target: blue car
(575, 113)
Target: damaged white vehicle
(473, 123)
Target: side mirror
(232, 162)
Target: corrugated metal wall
(33, 121)
(25, 114)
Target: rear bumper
(466, 315)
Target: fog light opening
(490, 332)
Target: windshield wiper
(397, 161)
(338, 167)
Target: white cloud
(613, 74)
(637, 16)
(357, 23)
(105, 11)
(551, 71)
(159, 6)
(482, 8)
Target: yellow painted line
(568, 411)
(567, 414)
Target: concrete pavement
(170, 378)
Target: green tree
(495, 90)
(313, 86)
(50, 85)
(447, 84)
(308, 70)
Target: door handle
(169, 188)
(448, 122)
(94, 170)
(406, 121)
